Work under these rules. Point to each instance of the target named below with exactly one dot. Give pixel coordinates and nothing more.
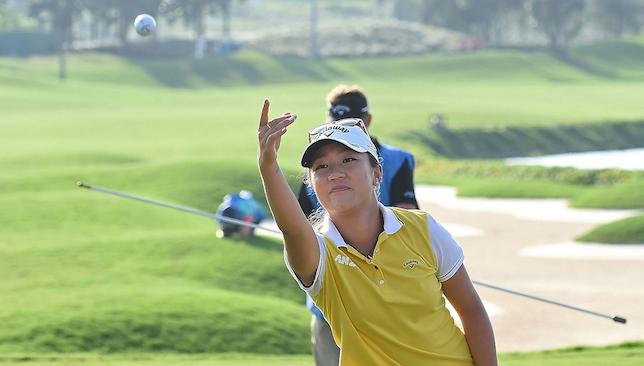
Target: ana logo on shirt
(410, 263)
(343, 259)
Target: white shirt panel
(449, 255)
(319, 273)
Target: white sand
(572, 250)
(554, 210)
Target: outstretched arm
(300, 242)
(476, 324)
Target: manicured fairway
(87, 273)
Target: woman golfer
(377, 273)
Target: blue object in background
(241, 206)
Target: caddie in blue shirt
(396, 189)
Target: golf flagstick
(615, 318)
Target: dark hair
(374, 163)
(347, 102)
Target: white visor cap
(350, 132)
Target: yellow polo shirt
(388, 309)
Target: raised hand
(270, 135)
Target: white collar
(391, 225)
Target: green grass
(91, 272)
(491, 88)
(625, 231)
(87, 273)
(629, 353)
(160, 360)
(625, 354)
(624, 195)
(498, 188)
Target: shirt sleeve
(402, 185)
(449, 255)
(314, 288)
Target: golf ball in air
(145, 24)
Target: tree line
(559, 21)
(59, 16)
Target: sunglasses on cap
(339, 111)
(315, 133)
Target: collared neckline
(391, 225)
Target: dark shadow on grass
(173, 73)
(511, 141)
(617, 54)
(312, 70)
(607, 56)
(583, 65)
(224, 70)
(219, 69)
(165, 61)
(545, 72)
(512, 60)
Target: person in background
(396, 189)
(241, 206)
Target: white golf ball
(145, 24)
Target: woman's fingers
(275, 125)
(269, 138)
(265, 126)
(273, 140)
(276, 131)
(270, 132)
(263, 119)
(284, 117)
(279, 123)
(269, 146)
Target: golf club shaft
(193, 211)
(615, 318)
